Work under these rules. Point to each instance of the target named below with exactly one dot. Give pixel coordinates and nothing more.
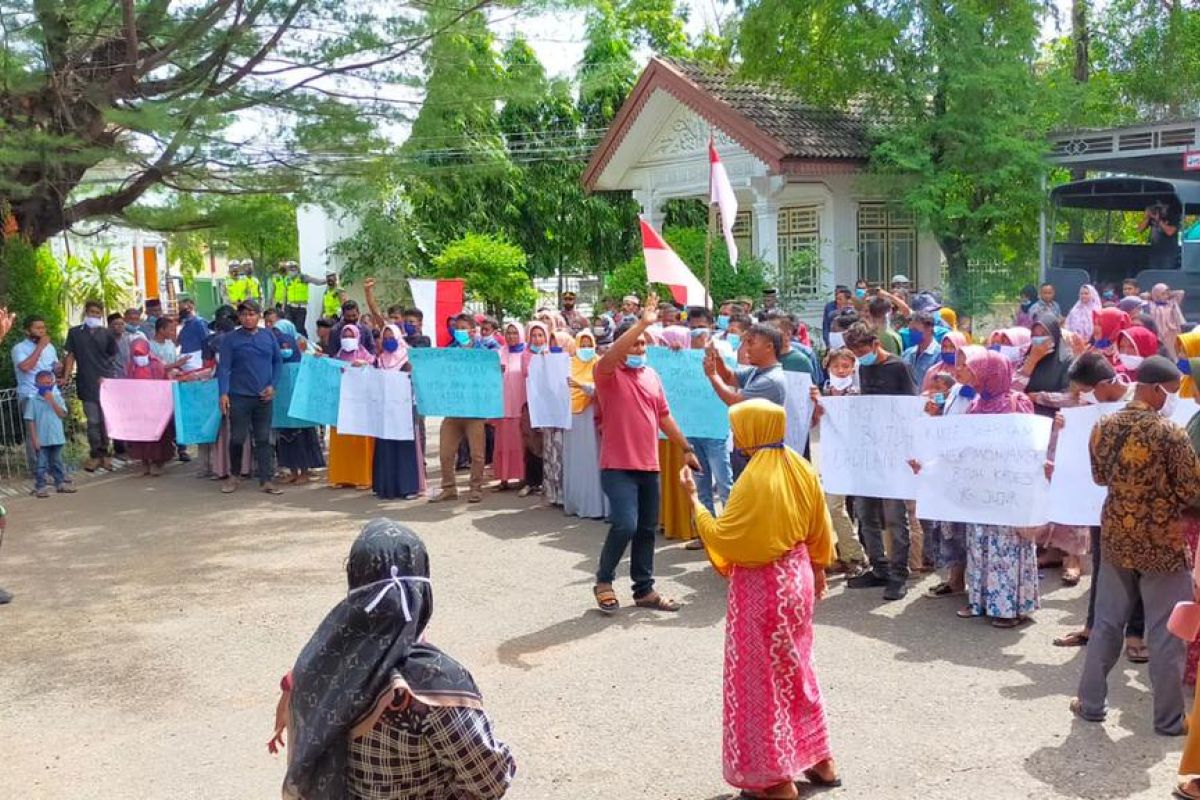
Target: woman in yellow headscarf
(582, 493)
(1187, 345)
(773, 541)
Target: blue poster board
(457, 382)
(317, 391)
(694, 403)
(284, 390)
(197, 411)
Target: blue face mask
(948, 358)
(916, 338)
(286, 352)
(967, 392)
(462, 337)
(45, 389)
(1185, 366)
(555, 349)
(869, 359)
(1103, 344)
(995, 348)
(734, 339)
(860, 293)
(586, 353)
(537, 348)
(635, 362)
(723, 321)
(939, 399)
(410, 329)
(519, 347)
(391, 345)
(1040, 339)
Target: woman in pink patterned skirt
(774, 554)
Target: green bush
(30, 283)
(494, 272)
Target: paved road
(154, 617)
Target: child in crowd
(44, 414)
(842, 369)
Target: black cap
(250, 305)
(1157, 369)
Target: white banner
(866, 443)
(984, 468)
(376, 403)
(1185, 409)
(548, 392)
(1074, 498)
(799, 409)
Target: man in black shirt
(92, 347)
(880, 372)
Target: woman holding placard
(583, 496)
(508, 457)
(351, 457)
(297, 450)
(398, 466)
(543, 341)
(144, 365)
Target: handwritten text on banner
(866, 443)
(457, 382)
(693, 402)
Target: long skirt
(298, 448)
(350, 459)
(552, 458)
(508, 453)
(398, 469)
(774, 720)
(674, 506)
(1191, 535)
(1002, 572)
(582, 494)
(159, 452)
(1189, 762)
(219, 455)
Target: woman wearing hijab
(297, 450)
(1187, 349)
(543, 341)
(583, 495)
(1106, 329)
(145, 366)
(1080, 319)
(1023, 317)
(1012, 343)
(1167, 315)
(1134, 345)
(370, 709)
(951, 343)
(398, 466)
(774, 555)
(508, 457)
(1046, 365)
(1002, 569)
(351, 457)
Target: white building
(797, 172)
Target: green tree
(494, 273)
(98, 278)
(30, 283)
(152, 90)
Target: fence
(14, 468)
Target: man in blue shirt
(192, 330)
(247, 371)
(925, 351)
(32, 355)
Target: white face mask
(1131, 362)
(349, 344)
(142, 361)
(1011, 353)
(1169, 404)
(837, 339)
(93, 322)
(1088, 397)
(841, 384)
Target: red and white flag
(721, 193)
(664, 266)
(438, 300)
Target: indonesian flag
(721, 193)
(664, 266)
(438, 301)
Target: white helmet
(248, 263)
(233, 266)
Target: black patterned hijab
(368, 644)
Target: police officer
(295, 296)
(253, 287)
(331, 304)
(279, 285)
(233, 286)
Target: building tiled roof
(803, 130)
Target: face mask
(860, 293)
(349, 344)
(45, 389)
(1169, 404)
(967, 392)
(286, 352)
(519, 347)
(722, 321)
(1103, 344)
(1131, 362)
(185, 315)
(555, 349)
(537, 348)
(1040, 340)
(599, 330)
(635, 362)
(837, 340)
(734, 339)
(841, 384)
(869, 359)
(391, 345)
(915, 338)
(1161, 302)
(1089, 397)
(410, 329)
(948, 358)
(142, 361)
(462, 337)
(586, 353)
(291, 273)
(1011, 353)
(1109, 296)
(939, 399)
(1185, 366)
(93, 322)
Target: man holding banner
(247, 373)
(633, 409)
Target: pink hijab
(941, 367)
(396, 360)
(993, 382)
(1080, 319)
(360, 353)
(676, 337)
(155, 370)
(514, 363)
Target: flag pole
(708, 236)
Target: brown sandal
(1188, 790)
(657, 602)
(606, 599)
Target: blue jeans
(633, 498)
(714, 460)
(50, 461)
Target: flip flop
(1181, 791)
(657, 602)
(1009, 622)
(1137, 654)
(1076, 639)
(814, 778)
(943, 589)
(966, 613)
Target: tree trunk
(956, 272)
(1080, 39)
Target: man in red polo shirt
(633, 409)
